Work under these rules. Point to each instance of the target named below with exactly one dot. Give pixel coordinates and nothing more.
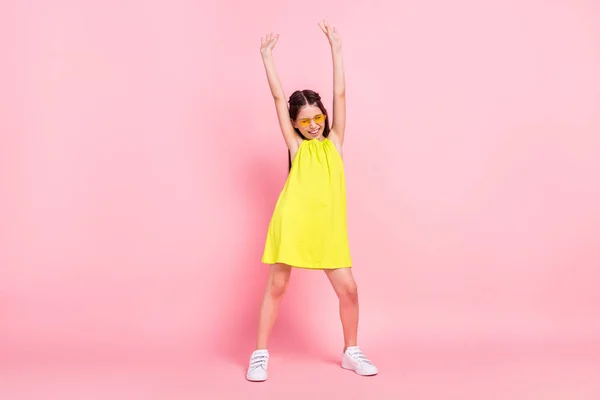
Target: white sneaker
(355, 360)
(257, 370)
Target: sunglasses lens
(319, 119)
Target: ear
(293, 123)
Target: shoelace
(258, 361)
(360, 357)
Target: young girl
(308, 227)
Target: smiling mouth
(314, 132)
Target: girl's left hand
(335, 40)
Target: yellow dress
(308, 228)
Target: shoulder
(334, 138)
(294, 151)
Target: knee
(349, 293)
(278, 288)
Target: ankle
(347, 347)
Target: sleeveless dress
(308, 228)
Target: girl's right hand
(267, 44)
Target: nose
(313, 124)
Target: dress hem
(307, 267)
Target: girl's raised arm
(339, 83)
(289, 134)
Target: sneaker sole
(256, 380)
(350, 368)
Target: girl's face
(310, 122)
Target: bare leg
(344, 285)
(279, 276)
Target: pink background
(141, 160)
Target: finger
(275, 40)
(322, 26)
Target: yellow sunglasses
(319, 119)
